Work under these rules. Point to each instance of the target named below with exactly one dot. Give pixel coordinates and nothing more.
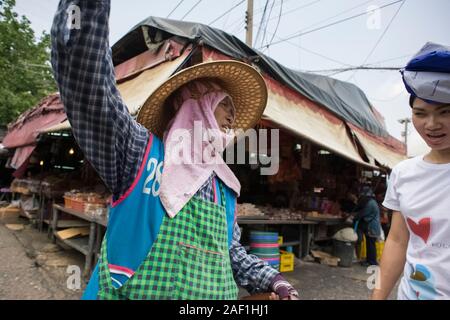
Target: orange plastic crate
(74, 203)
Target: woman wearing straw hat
(172, 232)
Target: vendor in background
(385, 214)
(367, 222)
(363, 211)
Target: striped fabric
(119, 275)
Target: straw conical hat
(241, 81)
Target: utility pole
(405, 122)
(249, 23)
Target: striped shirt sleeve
(112, 141)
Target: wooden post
(249, 23)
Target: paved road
(33, 268)
(21, 274)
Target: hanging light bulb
(41, 163)
(71, 151)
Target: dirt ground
(32, 267)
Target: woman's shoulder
(407, 165)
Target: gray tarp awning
(343, 99)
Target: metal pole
(405, 122)
(249, 23)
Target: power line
(225, 21)
(285, 13)
(267, 22)
(228, 11)
(239, 23)
(349, 69)
(327, 19)
(278, 23)
(332, 59)
(318, 22)
(367, 65)
(193, 7)
(240, 27)
(354, 68)
(316, 53)
(333, 16)
(298, 8)
(320, 55)
(390, 59)
(179, 3)
(380, 38)
(262, 21)
(334, 23)
(384, 32)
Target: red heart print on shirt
(421, 229)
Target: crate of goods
(95, 209)
(74, 202)
(286, 261)
(95, 204)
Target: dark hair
(411, 100)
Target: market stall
(55, 175)
(331, 138)
(303, 199)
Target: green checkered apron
(189, 259)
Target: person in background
(367, 223)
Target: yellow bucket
(379, 247)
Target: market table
(304, 231)
(327, 221)
(322, 232)
(89, 246)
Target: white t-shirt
(421, 192)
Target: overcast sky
(384, 38)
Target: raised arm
(112, 141)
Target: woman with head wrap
(172, 232)
(418, 190)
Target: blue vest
(135, 219)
